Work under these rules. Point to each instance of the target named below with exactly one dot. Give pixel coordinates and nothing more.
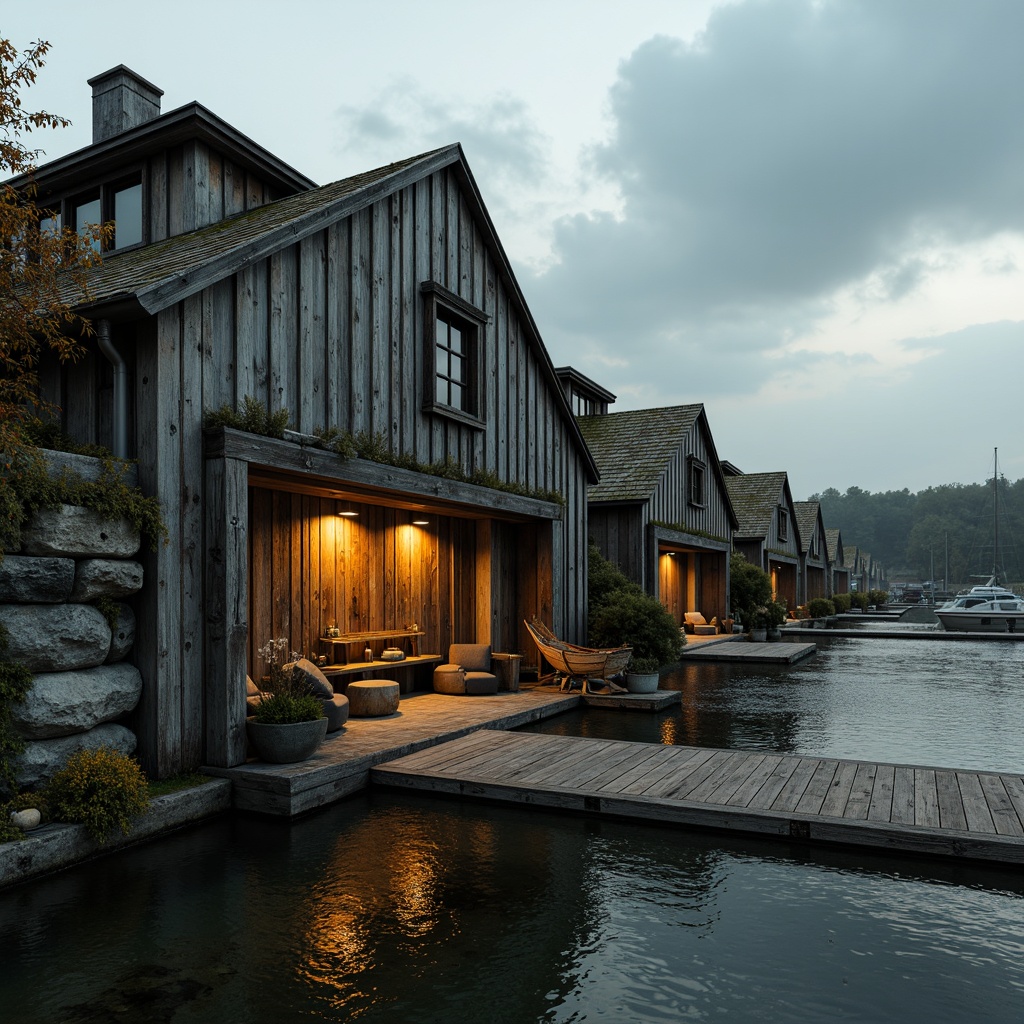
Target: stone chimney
(121, 99)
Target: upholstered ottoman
(372, 698)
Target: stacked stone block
(83, 685)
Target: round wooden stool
(372, 698)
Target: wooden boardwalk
(342, 764)
(946, 812)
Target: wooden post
(227, 602)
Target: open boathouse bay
(402, 908)
(940, 703)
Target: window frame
(105, 191)
(695, 468)
(439, 304)
(783, 527)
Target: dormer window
(119, 202)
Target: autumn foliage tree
(43, 271)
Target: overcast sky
(806, 214)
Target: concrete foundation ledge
(55, 846)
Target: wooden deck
(342, 764)
(945, 812)
(782, 653)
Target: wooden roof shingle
(633, 448)
(755, 497)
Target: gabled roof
(633, 448)
(834, 544)
(157, 276)
(754, 498)
(807, 514)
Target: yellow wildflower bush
(100, 789)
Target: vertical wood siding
(332, 329)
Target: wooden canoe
(577, 663)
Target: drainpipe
(120, 416)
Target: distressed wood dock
(935, 811)
(783, 653)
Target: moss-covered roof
(755, 497)
(833, 543)
(807, 513)
(633, 448)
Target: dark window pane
(87, 215)
(442, 333)
(441, 391)
(457, 370)
(442, 361)
(456, 339)
(456, 399)
(50, 225)
(128, 216)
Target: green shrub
(878, 597)
(750, 590)
(253, 418)
(100, 789)
(858, 599)
(842, 603)
(820, 608)
(642, 622)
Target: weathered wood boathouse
(381, 305)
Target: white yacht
(987, 609)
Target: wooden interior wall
(619, 535)
(672, 576)
(713, 584)
(310, 568)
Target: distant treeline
(911, 533)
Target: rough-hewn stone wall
(70, 558)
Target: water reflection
(954, 704)
(409, 909)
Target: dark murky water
(943, 703)
(392, 908)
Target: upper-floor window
(783, 523)
(454, 331)
(119, 202)
(581, 405)
(815, 545)
(697, 482)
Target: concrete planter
(642, 682)
(758, 636)
(285, 744)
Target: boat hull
(985, 622)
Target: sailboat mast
(995, 513)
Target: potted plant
(642, 675)
(756, 621)
(288, 722)
(775, 616)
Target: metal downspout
(120, 411)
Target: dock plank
(792, 792)
(1004, 817)
(758, 776)
(860, 792)
(838, 795)
(976, 810)
(903, 796)
(926, 799)
(880, 805)
(951, 807)
(818, 788)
